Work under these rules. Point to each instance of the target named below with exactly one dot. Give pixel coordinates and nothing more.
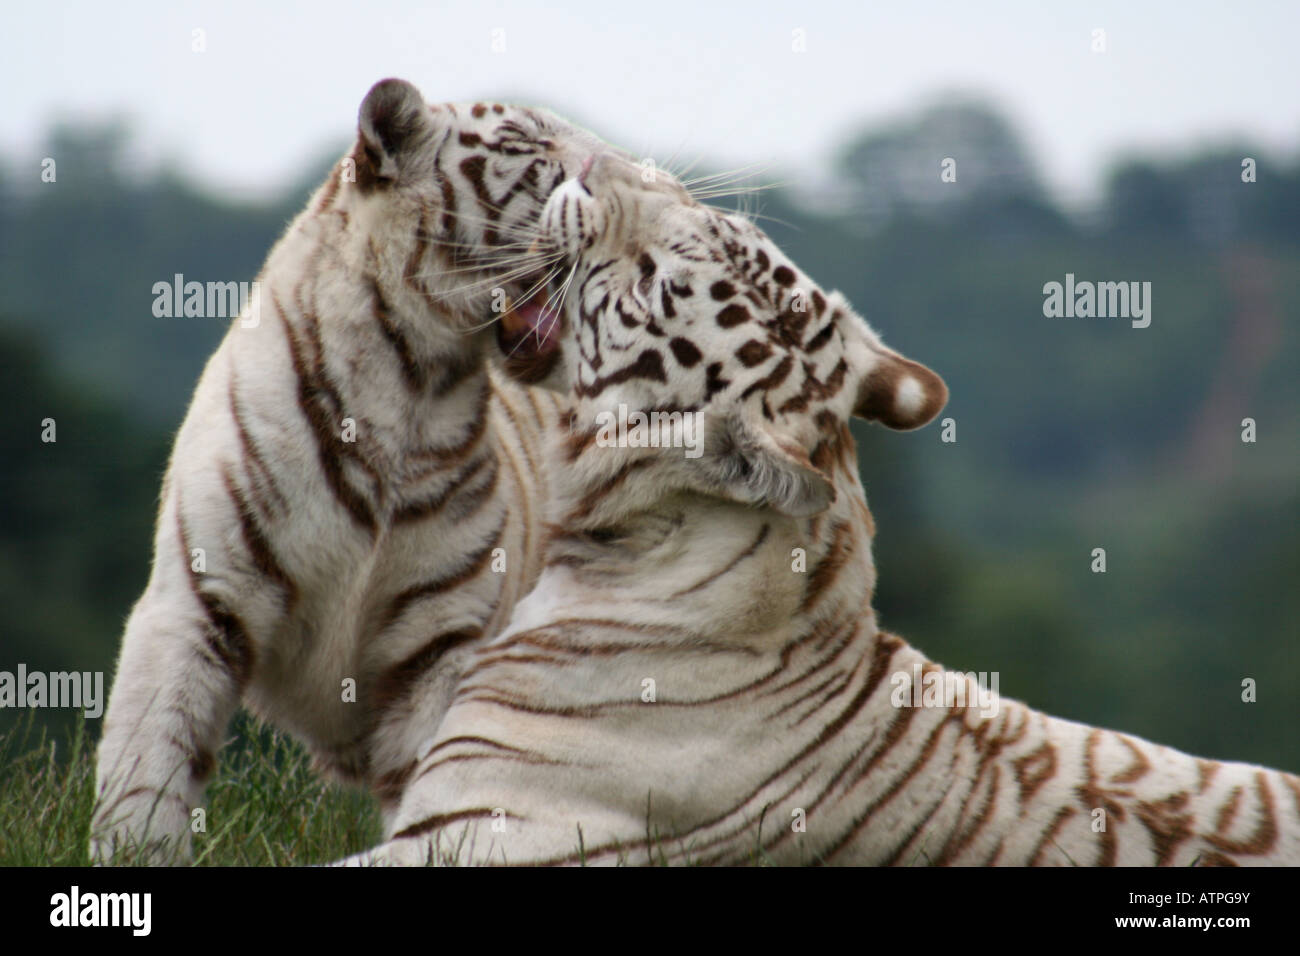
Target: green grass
(264, 805)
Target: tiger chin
(698, 675)
(353, 499)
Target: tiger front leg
(182, 669)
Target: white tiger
(678, 687)
(352, 500)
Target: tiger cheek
(900, 393)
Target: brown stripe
(1167, 825)
(727, 855)
(1062, 815)
(1141, 766)
(828, 569)
(816, 390)
(547, 637)
(913, 832)
(648, 365)
(389, 787)
(413, 511)
(198, 758)
(412, 275)
(474, 565)
(395, 683)
(1265, 834)
(259, 549)
(818, 341)
(886, 648)
(473, 169)
(842, 677)
(789, 326)
(251, 453)
(331, 449)
(412, 374)
(847, 635)
(595, 498)
(992, 858)
(224, 634)
(749, 551)
(931, 744)
(1094, 797)
(1292, 784)
(471, 739)
(960, 839)
(772, 379)
(471, 500)
(1228, 811)
(455, 370)
(440, 820)
(577, 442)
(829, 696)
(1034, 769)
(477, 426)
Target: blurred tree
(954, 152)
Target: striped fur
(776, 731)
(380, 556)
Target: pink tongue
(541, 321)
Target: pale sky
(280, 82)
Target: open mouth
(528, 334)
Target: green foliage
(76, 514)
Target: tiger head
(663, 304)
(442, 198)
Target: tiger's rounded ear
(898, 392)
(393, 122)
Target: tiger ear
(898, 392)
(393, 124)
(753, 464)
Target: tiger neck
(404, 287)
(375, 329)
(625, 534)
